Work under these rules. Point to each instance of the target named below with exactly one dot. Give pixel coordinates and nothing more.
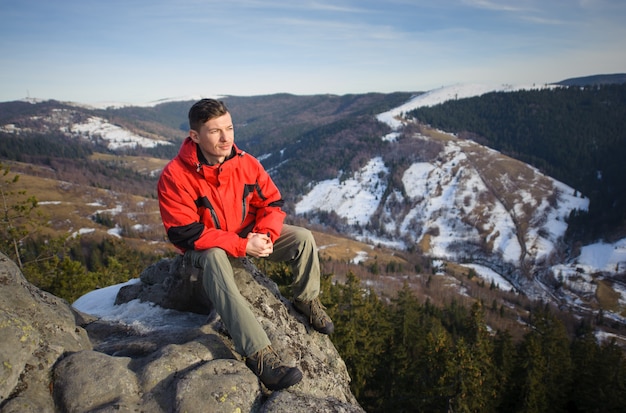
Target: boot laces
(317, 311)
(267, 356)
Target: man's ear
(194, 135)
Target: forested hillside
(575, 134)
(594, 80)
(406, 354)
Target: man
(218, 203)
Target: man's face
(215, 138)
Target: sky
(139, 51)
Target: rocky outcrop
(56, 359)
(36, 330)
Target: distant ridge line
(595, 80)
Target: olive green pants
(296, 246)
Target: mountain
(458, 201)
(595, 80)
(353, 165)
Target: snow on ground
(490, 275)
(391, 137)
(83, 231)
(568, 200)
(97, 129)
(116, 231)
(603, 257)
(449, 201)
(621, 289)
(117, 105)
(596, 258)
(141, 316)
(140, 227)
(118, 209)
(419, 179)
(605, 337)
(415, 179)
(361, 256)
(355, 199)
(439, 191)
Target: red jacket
(205, 206)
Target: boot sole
(293, 376)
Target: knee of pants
(212, 258)
(305, 235)
(215, 266)
(302, 235)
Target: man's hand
(259, 245)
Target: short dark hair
(205, 109)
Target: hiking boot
(274, 375)
(318, 318)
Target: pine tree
(360, 331)
(611, 378)
(585, 352)
(555, 347)
(504, 354)
(422, 358)
(542, 377)
(475, 376)
(436, 382)
(528, 393)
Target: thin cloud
(499, 6)
(338, 30)
(544, 20)
(545, 13)
(335, 8)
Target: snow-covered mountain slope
(436, 96)
(112, 136)
(117, 105)
(468, 195)
(467, 204)
(74, 123)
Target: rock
(170, 283)
(88, 381)
(56, 359)
(233, 387)
(36, 329)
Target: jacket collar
(190, 154)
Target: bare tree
(17, 222)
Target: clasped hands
(259, 245)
